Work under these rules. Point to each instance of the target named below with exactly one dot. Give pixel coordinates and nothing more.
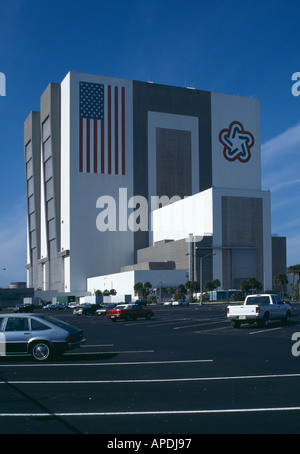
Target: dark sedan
(24, 308)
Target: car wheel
(148, 316)
(264, 323)
(128, 318)
(41, 351)
(237, 324)
(287, 317)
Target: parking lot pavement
(186, 371)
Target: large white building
(103, 154)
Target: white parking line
(150, 413)
(109, 352)
(174, 321)
(154, 380)
(99, 345)
(203, 331)
(199, 324)
(130, 363)
(264, 330)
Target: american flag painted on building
(101, 129)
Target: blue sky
(243, 48)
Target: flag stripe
(116, 132)
(102, 148)
(123, 130)
(81, 145)
(95, 146)
(109, 128)
(88, 167)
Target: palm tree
(250, 284)
(294, 270)
(142, 289)
(281, 280)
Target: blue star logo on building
(237, 142)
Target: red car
(129, 312)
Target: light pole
(201, 276)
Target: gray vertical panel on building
(172, 100)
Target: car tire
(148, 317)
(128, 318)
(41, 351)
(264, 323)
(236, 324)
(287, 317)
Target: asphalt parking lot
(186, 371)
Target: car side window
(1, 321)
(17, 324)
(273, 299)
(36, 325)
(276, 299)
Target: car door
(138, 311)
(277, 311)
(16, 332)
(281, 307)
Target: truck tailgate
(241, 312)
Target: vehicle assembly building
(130, 181)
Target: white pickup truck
(260, 309)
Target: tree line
(146, 293)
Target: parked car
(180, 303)
(24, 308)
(55, 307)
(129, 312)
(87, 309)
(40, 336)
(168, 303)
(103, 310)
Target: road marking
(109, 352)
(154, 380)
(212, 329)
(150, 413)
(130, 363)
(99, 345)
(174, 321)
(264, 330)
(200, 324)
